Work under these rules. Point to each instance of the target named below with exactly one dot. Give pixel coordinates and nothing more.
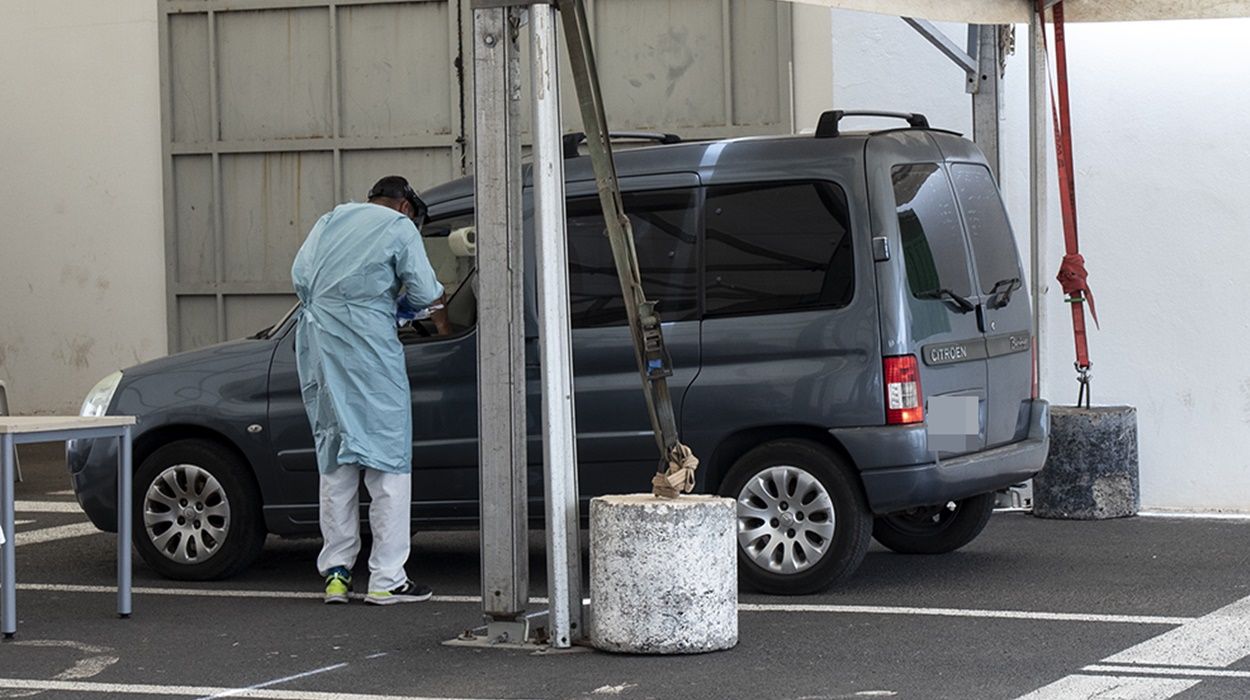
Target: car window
(934, 253)
(449, 244)
(993, 247)
(665, 223)
(445, 245)
(777, 247)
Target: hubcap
(785, 519)
(186, 514)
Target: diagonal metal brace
(654, 364)
(945, 44)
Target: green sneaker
(409, 592)
(338, 585)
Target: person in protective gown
(357, 263)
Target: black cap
(396, 187)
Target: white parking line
(195, 691)
(958, 612)
(1168, 671)
(237, 692)
(1215, 640)
(1168, 664)
(210, 593)
(51, 534)
(743, 607)
(47, 507)
(1179, 515)
(1079, 687)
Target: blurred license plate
(953, 423)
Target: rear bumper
(894, 488)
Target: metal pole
(125, 520)
(8, 560)
(986, 99)
(564, 576)
(501, 333)
(1038, 192)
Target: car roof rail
(827, 127)
(574, 140)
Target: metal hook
(1083, 377)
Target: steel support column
(986, 96)
(1039, 96)
(981, 64)
(501, 335)
(564, 561)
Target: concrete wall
(1161, 183)
(82, 271)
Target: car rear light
(1034, 364)
(904, 402)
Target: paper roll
(463, 242)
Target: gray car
(850, 338)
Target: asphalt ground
(1133, 608)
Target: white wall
(1162, 160)
(82, 272)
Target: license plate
(953, 423)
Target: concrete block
(1091, 472)
(663, 574)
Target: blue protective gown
(348, 274)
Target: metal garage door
(275, 110)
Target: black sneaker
(409, 592)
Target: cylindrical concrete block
(1091, 472)
(663, 574)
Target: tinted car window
(993, 247)
(934, 252)
(665, 224)
(777, 247)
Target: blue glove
(405, 312)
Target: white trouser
(389, 515)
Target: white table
(21, 430)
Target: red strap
(1072, 275)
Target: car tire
(197, 512)
(937, 529)
(803, 523)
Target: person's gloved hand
(405, 312)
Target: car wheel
(935, 529)
(802, 519)
(198, 516)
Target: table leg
(125, 521)
(8, 558)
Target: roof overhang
(1018, 11)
